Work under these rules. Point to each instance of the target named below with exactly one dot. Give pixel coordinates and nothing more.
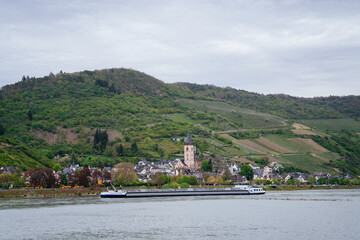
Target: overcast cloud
(301, 48)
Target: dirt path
(300, 126)
(246, 130)
(304, 132)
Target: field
(248, 118)
(306, 162)
(298, 145)
(309, 144)
(304, 132)
(333, 124)
(273, 145)
(302, 153)
(180, 117)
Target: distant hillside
(278, 104)
(60, 113)
(118, 81)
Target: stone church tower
(189, 153)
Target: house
(302, 177)
(10, 170)
(318, 175)
(236, 178)
(287, 176)
(234, 169)
(67, 171)
(258, 173)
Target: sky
(298, 47)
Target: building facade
(189, 153)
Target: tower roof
(188, 139)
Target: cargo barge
(237, 190)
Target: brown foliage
(42, 177)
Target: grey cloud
(302, 48)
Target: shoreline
(310, 187)
(91, 192)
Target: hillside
(278, 104)
(13, 154)
(145, 118)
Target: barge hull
(179, 193)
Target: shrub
(184, 185)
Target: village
(212, 170)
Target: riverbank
(49, 193)
(93, 192)
(309, 187)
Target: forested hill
(61, 115)
(279, 104)
(111, 82)
(87, 84)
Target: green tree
(185, 179)
(5, 180)
(159, 179)
(345, 181)
(101, 139)
(57, 167)
(247, 171)
(280, 170)
(124, 174)
(355, 181)
(311, 180)
(2, 129)
(207, 166)
(227, 175)
(334, 180)
(120, 150)
(30, 115)
(134, 148)
(290, 182)
(321, 181)
(193, 180)
(63, 179)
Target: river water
(327, 214)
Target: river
(316, 214)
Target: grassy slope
(304, 156)
(13, 154)
(246, 117)
(332, 124)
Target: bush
(174, 185)
(184, 185)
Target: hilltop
(147, 118)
